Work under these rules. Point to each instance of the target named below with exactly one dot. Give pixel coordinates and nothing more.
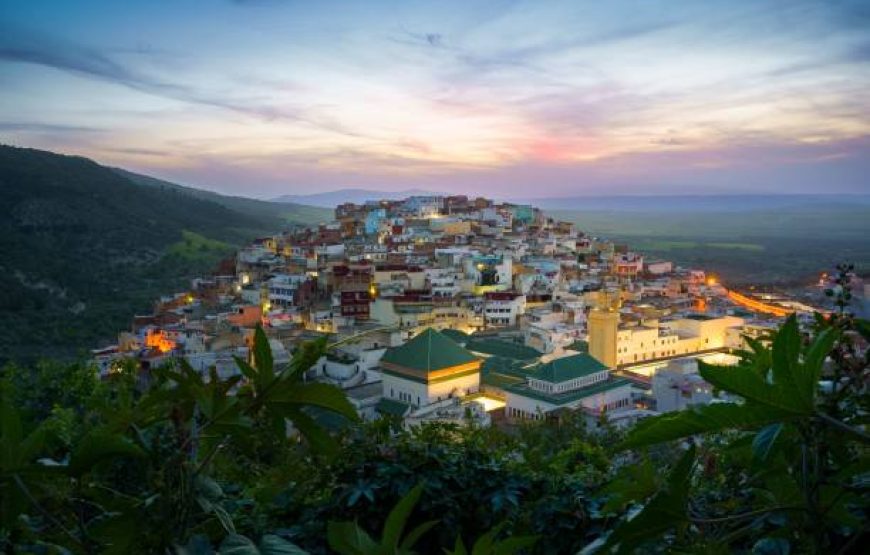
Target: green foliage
(235, 544)
(348, 538)
(37, 390)
(665, 510)
(536, 481)
(782, 392)
(794, 459)
(139, 476)
(488, 544)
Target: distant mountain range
(697, 203)
(607, 203)
(84, 247)
(331, 199)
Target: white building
(573, 382)
(427, 369)
(679, 385)
(503, 308)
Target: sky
(511, 99)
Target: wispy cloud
(403, 92)
(91, 62)
(37, 127)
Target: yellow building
(602, 324)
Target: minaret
(603, 322)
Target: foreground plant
(795, 463)
(140, 480)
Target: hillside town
(460, 309)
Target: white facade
(503, 312)
(683, 336)
(527, 407)
(678, 386)
(420, 394)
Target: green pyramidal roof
(428, 351)
(568, 368)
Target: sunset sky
(509, 99)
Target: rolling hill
(84, 247)
(274, 214)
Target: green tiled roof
(507, 366)
(502, 348)
(456, 335)
(499, 371)
(428, 351)
(567, 396)
(501, 380)
(567, 368)
(392, 407)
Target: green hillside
(275, 214)
(84, 248)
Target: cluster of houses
(458, 309)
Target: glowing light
(157, 339)
(490, 403)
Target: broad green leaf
(458, 548)
(198, 544)
(247, 370)
(236, 544)
(780, 488)
(786, 364)
(397, 518)
(515, 544)
(20, 455)
(814, 360)
(321, 395)
(275, 545)
(484, 544)
(635, 482)
(263, 356)
(307, 354)
(347, 538)
(764, 440)
(701, 419)
(414, 535)
(208, 487)
(750, 385)
(664, 511)
(313, 432)
(98, 446)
